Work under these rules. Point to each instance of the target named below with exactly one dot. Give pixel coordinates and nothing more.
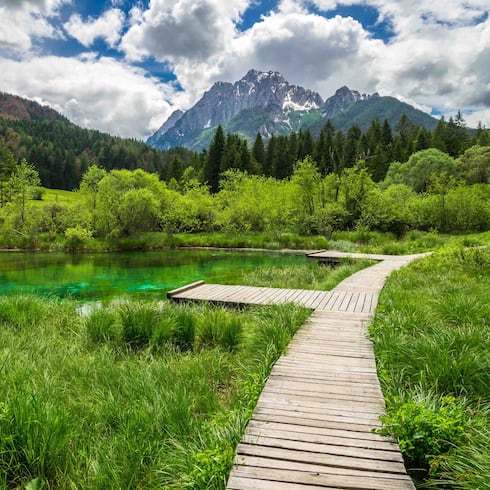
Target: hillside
(364, 112)
(62, 151)
(16, 108)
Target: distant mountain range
(265, 102)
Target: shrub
(425, 427)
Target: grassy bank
(432, 341)
(310, 275)
(347, 241)
(142, 395)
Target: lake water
(132, 274)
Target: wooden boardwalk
(313, 424)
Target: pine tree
(258, 151)
(215, 156)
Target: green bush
(426, 427)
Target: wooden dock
(313, 425)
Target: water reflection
(133, 274)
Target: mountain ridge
(265, 103)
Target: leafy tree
(474, 165)
(419, 171)
(356, 185)
(25, 177)
(306, 180)
(118, 203)
(90, 183)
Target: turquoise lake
(132, 274)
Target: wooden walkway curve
(313, 424)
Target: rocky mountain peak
(342, 98)
(268, 91)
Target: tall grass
(310, 275)
(432, 340)
(141, 395)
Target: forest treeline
(391, 181)
(62, 152)
(430, 191)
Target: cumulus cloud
(108, 27)
(25, 20)
(437, 57)
(183, 29)
(308, 49)
(92, 92)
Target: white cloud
(438, 55)
(23, 21)
(108, 27)
(307, 49)
(94, 93)
(184, 29)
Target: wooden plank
(175, 292)
(317, 438)
(294, 426)
(321, 458)
(333, 413)
(246, 483)
(261, 462)
(320, 479)
(311, 421)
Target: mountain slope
(16, 108)
(266, 96)
(267, 103)
(62, 151)
(363, 112)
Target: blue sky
(123, 66)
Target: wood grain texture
(314, 423)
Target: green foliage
(21, 312)
(474, 165)
(431, 342)
(62, 152)
(97, 415)
(139, 322)
(100, 326)
(77, 238)
(35, 438)
(426, 427)
(468, 467)
(419, 171)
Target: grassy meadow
(432, 341)
(140, 395)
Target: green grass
(310, 275)
(59, 196)
(141, 395)
(432, 341)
